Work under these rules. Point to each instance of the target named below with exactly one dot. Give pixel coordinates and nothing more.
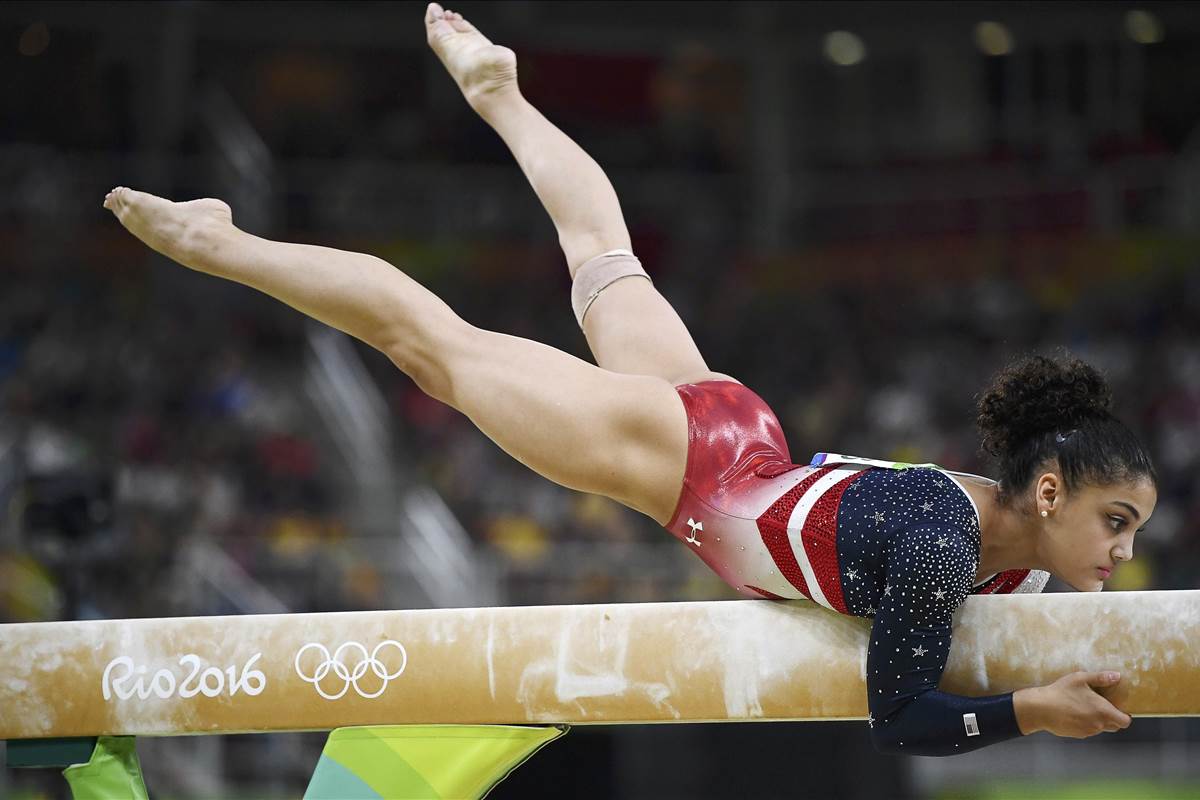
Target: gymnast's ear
(1049, 493)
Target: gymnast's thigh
(590, 429)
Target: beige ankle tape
(597, 274)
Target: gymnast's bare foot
(180, 231)
(483, 71)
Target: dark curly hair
(1040, 410)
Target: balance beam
(632, 663)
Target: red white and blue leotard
(895, 542)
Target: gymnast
(701, 454)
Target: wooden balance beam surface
(632, 663)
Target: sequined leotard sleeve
(929, 569)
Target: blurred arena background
(861, 210)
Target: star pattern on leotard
(908, 549)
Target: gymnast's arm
(930, 569)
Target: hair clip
(1060, 438)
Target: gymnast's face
(1090, 529)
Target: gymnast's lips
(1104, 571)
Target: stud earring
(1045, 513)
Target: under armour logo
(695, 526)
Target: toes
(458, 22)
(453, 17)
(437, 23)
(443, 22)
(117, 199)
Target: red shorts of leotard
(737, 465)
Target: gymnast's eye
(1118, 522)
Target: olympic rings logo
(367, 661)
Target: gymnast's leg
(617, 435)
(630, 327)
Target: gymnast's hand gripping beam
(606, 664)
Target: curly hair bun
(1036, 395)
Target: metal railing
(410, 518)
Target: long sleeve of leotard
(929, 573)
